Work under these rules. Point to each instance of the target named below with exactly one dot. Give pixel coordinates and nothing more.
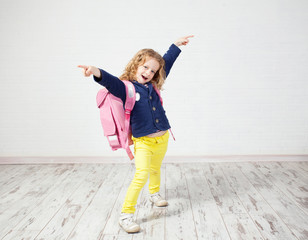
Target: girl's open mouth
(144, 78)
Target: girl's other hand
(183, 40)
(89, 70)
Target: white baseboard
(168, 159)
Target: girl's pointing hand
(89, 70)
(183, 40)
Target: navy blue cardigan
(148, 115)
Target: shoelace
(127, 220)
(155, 197)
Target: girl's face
(145, 72)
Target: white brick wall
(240, 87)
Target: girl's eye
(153, 71)
(145, 67)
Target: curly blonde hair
(139, 59)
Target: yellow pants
(149, 154)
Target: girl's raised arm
(174, 51)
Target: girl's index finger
(82, 66)
(190, 36)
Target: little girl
(148, 121)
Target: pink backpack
(116, 120)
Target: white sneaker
(127, 223)
(158, 200)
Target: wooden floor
(246, 200)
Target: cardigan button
(156, 120)
(154, 108)
(150, 97)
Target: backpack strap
(161, 100)
(128, 107)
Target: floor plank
(117, 237)
(7, 171)
(12, 177)
(208, 220)
(303, 165)
(295, 170)
(180, 222)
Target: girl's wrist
(96, 72)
